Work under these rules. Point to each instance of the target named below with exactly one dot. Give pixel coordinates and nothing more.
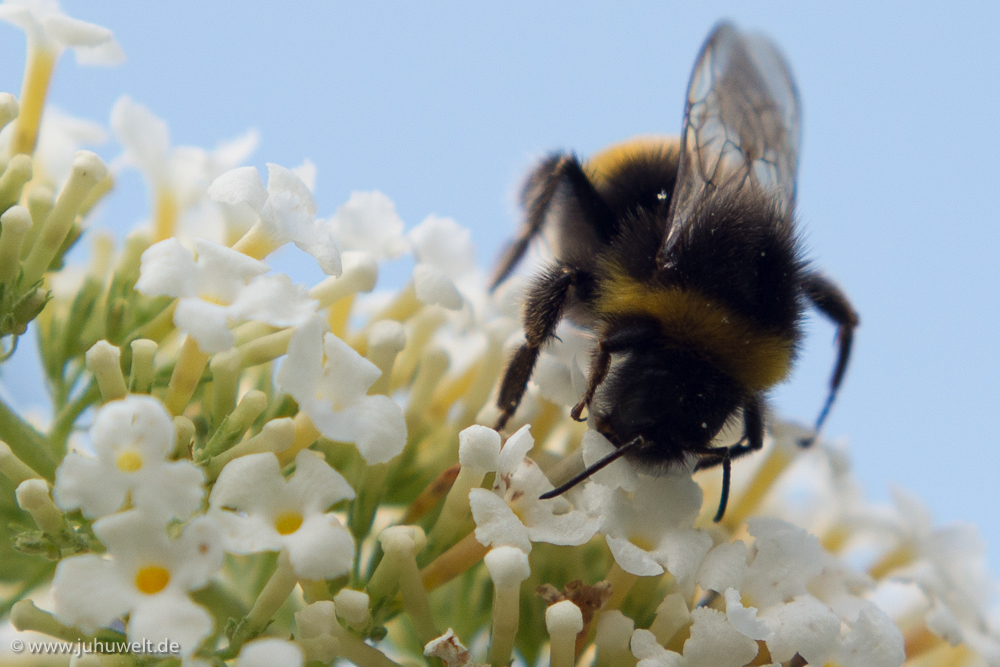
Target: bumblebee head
(674, 398)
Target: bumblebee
(682, 257)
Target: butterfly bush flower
(285, 211)
(262, 511)
(512, 515)
(132, 439)
(218, 286)
(446, 262)
(647, 521)
(48, 29)
(146, 575)
(369, 222)
(268, 652)
(178, 177)
(329, 380)
(49, 32)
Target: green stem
(370, 494)
(66, 419)
(27, 444)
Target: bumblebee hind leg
(832, 302)
(752, 440)
(542, 312)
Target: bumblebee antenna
(727, 474)
(590, 470)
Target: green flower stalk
(508, 568)
(88, 170)
(17, 172)
(33, 497)
(14, 226)
(564, 621)
(103, 361)
(12, 467)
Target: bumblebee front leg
(542, 312)
(752, 441)
(538, 195)
(833, 303)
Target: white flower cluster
(146, 574)
(770, 587)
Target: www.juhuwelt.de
(80, 648)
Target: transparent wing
(741, 126)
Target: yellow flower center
(152, 579)
(129, 461)
(287, 523)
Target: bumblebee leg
(599, 366)
(623, 338)
(537, 197)
(542, 313)
(752, 440)
(833, 303)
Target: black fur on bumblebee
(682, 257)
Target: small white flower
(285, 208)
(145, 575)
(949, 565)
(445, 255)
(177, 176)
(132, 439)
(369, 222)
(265, 512)
(512, 515)
(220, 285)
(619, 474)
(874, 641)
(724, 567)
(559, 374)
(329, 380)
(48, 29)
(805, 626)
(783, 560)
(649, 653)
(714, 643)
(184, 170)
(786, 591)
(647, 520)
(269, 652)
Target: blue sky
(444, 105)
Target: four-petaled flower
(132, 439)
(329, 380)
(285, 211)
(512, 515)
(220, 286)
(263, 511)
(146, 575)
(48, 29)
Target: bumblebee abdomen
(756, 356)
